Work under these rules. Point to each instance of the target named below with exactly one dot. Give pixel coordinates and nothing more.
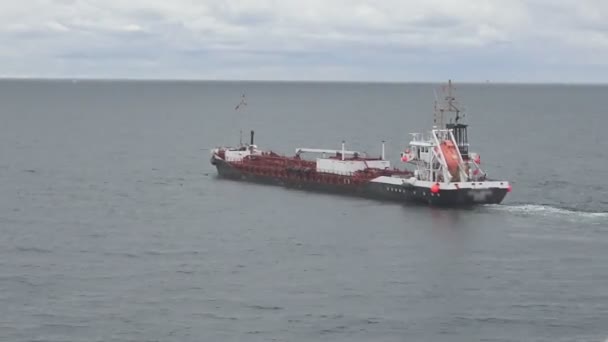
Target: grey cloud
(293, 39)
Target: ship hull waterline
(405, 193)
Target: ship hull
(374, 190)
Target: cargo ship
(443, 172)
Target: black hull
(373, 190)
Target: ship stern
(462, 193)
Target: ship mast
(449, 105)
(242, 103)
(459, 130)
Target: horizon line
(227, 80)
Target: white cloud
(57, 27)
(390, 39)
(132, 28)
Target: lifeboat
(450, 152)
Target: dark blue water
(114, 228)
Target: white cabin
(239, 153)
(443, 155)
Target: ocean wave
(545, 210)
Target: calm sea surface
(113, 226)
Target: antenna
(242, 103)
(435, 105)
(448, 104)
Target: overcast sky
(363, 40)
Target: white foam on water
(546, 210)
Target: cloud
(396, 40)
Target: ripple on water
(263, 307)
(215, 316)
(33, 250)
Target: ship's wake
(548, 210)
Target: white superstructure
(442, 155)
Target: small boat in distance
(445, 172)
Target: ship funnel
(252, 133)
(382, 149)
(343, 149)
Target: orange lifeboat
(450, 152)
